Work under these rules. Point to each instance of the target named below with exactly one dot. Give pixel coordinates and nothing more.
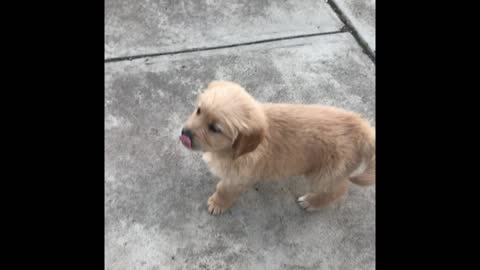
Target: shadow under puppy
(245, 141)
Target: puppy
(245, 141)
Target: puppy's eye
(198, 111)
(214, 128)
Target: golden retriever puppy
(245, 141)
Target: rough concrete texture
(156, 190)
(361, 13)
(135, 27)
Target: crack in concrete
(348, 27)
(124, 58)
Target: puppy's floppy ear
(246, 143)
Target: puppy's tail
(365, 174)
(367, 177)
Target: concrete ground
(156, 191)
(361, 15)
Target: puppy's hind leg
(324, 191)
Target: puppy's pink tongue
(186, 141)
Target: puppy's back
(317, 136)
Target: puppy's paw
(215, 207)
(305, 204)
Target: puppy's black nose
(187, 132)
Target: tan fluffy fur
(259, 141)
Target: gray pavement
(361, 15)
(156, 191)
(143, 27)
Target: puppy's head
(226, 119)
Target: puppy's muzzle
(186, 138)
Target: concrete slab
(134, 27)
(361, 14)
(156, 191)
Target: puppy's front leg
(225, 195)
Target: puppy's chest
(221, 167)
